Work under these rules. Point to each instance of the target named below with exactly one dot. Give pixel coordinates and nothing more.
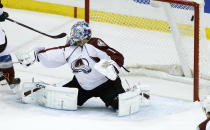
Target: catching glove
(28, 58)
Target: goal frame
(196, 37)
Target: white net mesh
(153, 38)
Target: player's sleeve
(104, 50)
(208, 126)
(3, 41)
(1, 8)
(52, 58)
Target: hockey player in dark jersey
(95, 66)
(7, 71)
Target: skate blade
(13, 87)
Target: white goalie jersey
(81, 60)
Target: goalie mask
(80, 34)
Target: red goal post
(196, 35)
(196, 40)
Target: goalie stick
(145, 95)
(39, 86)
(30, 91)
(5, 64)
(57, 36)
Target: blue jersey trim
(5, 58)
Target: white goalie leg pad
(128, 103)
(135, 97)
(28, 92)
(48, 96)
(59, 98)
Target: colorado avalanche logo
(100, 43)
(81, 65)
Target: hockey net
(166, 40)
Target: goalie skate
(46, 95)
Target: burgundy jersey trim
(54, 48)
(202, 126)
(114, 54)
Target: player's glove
(3, 16)
(108, 68)
(28, 58)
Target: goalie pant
(107, 92)
(205, 125)
(82, 60)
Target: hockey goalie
(96, 67)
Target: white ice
(164, 113)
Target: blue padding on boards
(207, 6)
(5, 58)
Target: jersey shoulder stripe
(114, 54)
(54, 48)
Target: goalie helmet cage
(196, 34)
